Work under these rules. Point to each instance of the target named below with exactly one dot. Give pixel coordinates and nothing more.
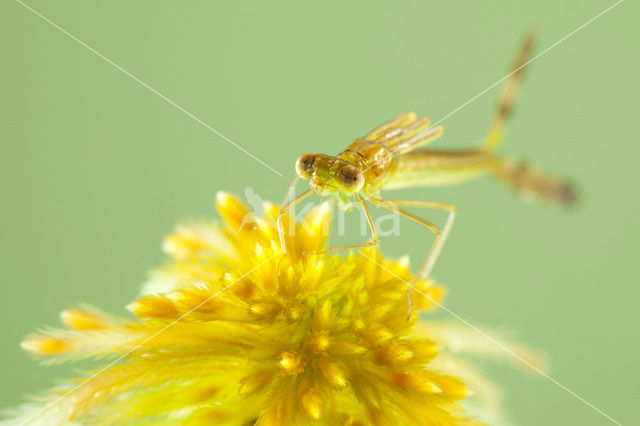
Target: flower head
(233, 331)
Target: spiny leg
(285, 207)
(441, 234)
(375, 239)
(429, 262)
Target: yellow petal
(233, 212)
(291, 362)
(323, 315)
(45, 345)
(82, 320)
(394, 354)
(332, 372)
(256, 381)
(318, 342)
(312, 404)
(451, 386)
(154, 307)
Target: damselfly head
(329, 174)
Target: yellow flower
(232, 331)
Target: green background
(95, 169)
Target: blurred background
(95, 168)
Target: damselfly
(389, 158)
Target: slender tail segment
(531, 182)
(534, 183)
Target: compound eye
(350, 179)
(306, 165)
